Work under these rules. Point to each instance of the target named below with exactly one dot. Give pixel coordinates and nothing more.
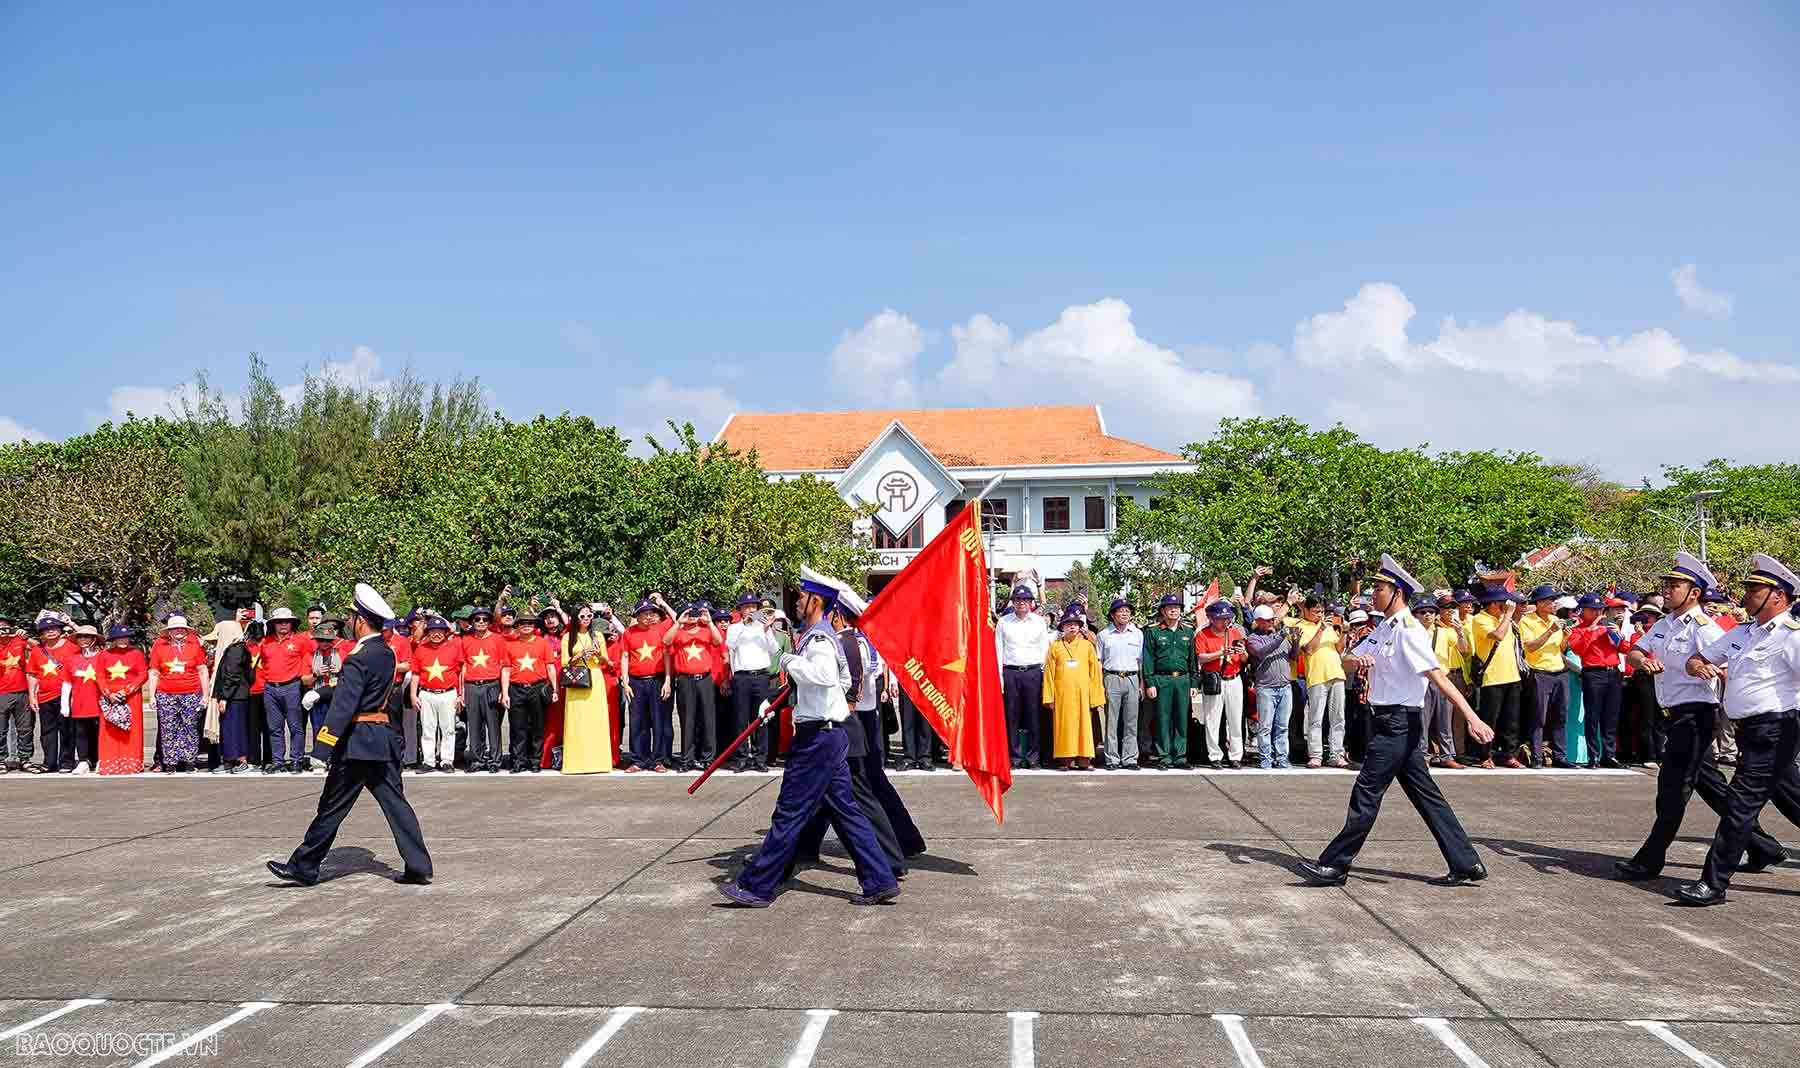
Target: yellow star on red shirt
(479, 659)
(49, 667)
(693, 650)
(117, 670)
(644, 652)
(10, 662)
(436, 671)
(527, 663)
(88, 674)
(177, 666)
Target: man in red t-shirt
(49, 673)
(526, 689)
(692, 646)
(484, 656)
(1219, 650)
(648, 678)
(287, 665)
(1596, 641)
(17, 721)
(437, 694)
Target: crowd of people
(484, 690)
(1550, 671)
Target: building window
(993, 515)
(1096, 513)
(913, 539)
(952, 510)
(1056, 513)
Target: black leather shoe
(1699, 895)
(413, 878)
(1323, 874)
(1633, 872)
(1759, 865)
(1461, 878)
(879, 897)
(287, 873)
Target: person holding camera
(1220, 653)
(692, 646)
(1597, 641)
(651, 685)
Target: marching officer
(1689, 709)
(1760, 663)
(363, 750)
(817, 770)
(1401, 663)
(1168, 676)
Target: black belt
(1764, 717)
(693, 674)
(1024, 667)
(817, 725)
(1596, 667)
(751, 671)
(1688, 708)
(481, 682)
(1397, 708)
(1127, 674)
(1167, 674)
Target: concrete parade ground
(1147, 919)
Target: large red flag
(934, 627)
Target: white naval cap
(371, 604)
(1399, 576)
(824, 585)
(1690, 568)
(1765, 570)
(851, 603)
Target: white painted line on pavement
(1675, 1042)
(376, 1051)
(615, 1020)
(1024, 1051)
(1441, 1028)
(809, 1038)
(78, 1003)
(1240, 1042)
(246, 1010)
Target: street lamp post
(1700, 497)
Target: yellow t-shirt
(1322, 664)
(1503, 667)
(1443, 643)
(1549, 656)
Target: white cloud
(12, 432)
(1697, 297)
(362, 369)
(148, 402)
(1523, 347)
(1093, 353)
(1528, 383)
(645, 409)
(876, 363)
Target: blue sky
(1528, 228)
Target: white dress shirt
(819, 676)
(1121, 650)
(1402, 657)
(751, 645)
(1672, 640)
(1762, 666)
(1022, 641)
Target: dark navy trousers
(652, 732)
(1393, 753)
(817, 772)
(288, 742)
(1688, 768)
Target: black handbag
(1212, 683)
(577, 677)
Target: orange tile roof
(958, 437)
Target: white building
(1064, 475)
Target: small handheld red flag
(934, 626)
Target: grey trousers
(1122, 720)
(17, 723)
(1325, 709)
(1439, 722)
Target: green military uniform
(1169, 666)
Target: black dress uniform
(1402, 661)
(362, 749)
(1688, 711)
